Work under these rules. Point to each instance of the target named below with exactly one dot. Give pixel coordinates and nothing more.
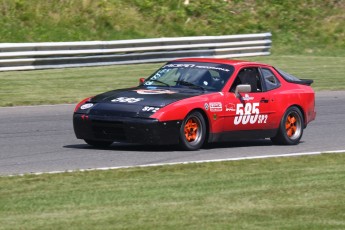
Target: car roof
(222, 61)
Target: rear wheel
(99, 144)
(291, 127)
(193, 131)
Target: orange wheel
(291, 127)
(193, 131)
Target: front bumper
(122, 129)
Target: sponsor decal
(86, 106)
(247, 98)
(249, 114)
(154, 91)
(184, 65)
(216, 107)
(127, 99)
(206, 106)
(230, 107)
(150, 109)
(157, 76)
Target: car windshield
(197, 75)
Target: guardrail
(45, 55)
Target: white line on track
(186, 162)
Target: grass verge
(279, 193)
(310, 27)
(71, 85)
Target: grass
(314, 27)
(67, 85)
(280, 193)
(71, 85)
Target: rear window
(288, 76)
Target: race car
(194, 101)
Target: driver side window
(248, 76)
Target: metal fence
(45, 55)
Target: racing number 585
(247, 113)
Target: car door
(250, 111)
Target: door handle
(264, 100)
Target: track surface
(41, 139)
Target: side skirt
(242, 135)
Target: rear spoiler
(303, 82)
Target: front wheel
(193, 131)
(291, 127)
(99, 144)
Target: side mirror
(242, 89)
(141, 80)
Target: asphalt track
(41, 139)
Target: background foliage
(298, 26)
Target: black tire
(99, 144)
(193, 131)
(291, 127)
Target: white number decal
(262, 119)
(249, 113)
(127, 99)
(239, 112)
(150, 109)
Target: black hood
(154, 96)
(135, 102)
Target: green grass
(71, 85)
(278, 193)
(67, 85)
(298, 27)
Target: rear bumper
(121, 129)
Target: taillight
(81, 103)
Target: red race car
(194, 101)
